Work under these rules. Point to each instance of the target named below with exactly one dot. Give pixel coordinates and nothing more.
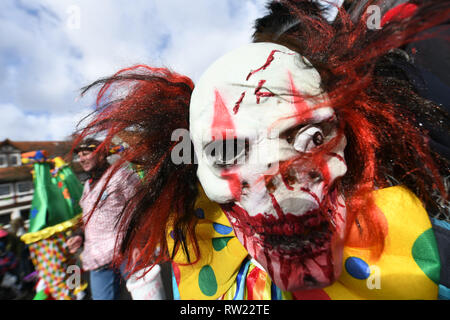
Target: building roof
(23, 172)
(54, 148)
(19, 173)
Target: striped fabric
(252, 283)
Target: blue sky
(49, 49)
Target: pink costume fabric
(100, 233)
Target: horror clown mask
(270, 151)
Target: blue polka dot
(200, 213)
(357, 268)
(220, 228)
(34, 212)
(172, 235)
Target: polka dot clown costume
(310, 177)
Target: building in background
(16, 182)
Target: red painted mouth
(297, 250)
(304, 236)
(301, 243)
(310, 236)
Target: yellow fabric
(396, 275)
(59, 162)
(80, 288)
(224, 263)
(49, 231)
(399, 275)
(229, 294)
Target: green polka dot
(207, 281)
(220, 243)
(426, 255)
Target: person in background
(9, 271)
(98, 235)
(25, 265)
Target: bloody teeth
(310, 243)
(290, 225)
(307, 235)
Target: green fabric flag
(74, 188)
(55, 199)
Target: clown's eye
(225, 153)
(308, 138)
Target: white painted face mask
(258, 138)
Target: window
(3, 162)
(5, 190)
(14, 160)
(25, 214)
(5, 218)
(24, 186)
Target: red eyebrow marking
(260, 94)
(238, 103)
(302, 109)
(222, 125)
(268, 62)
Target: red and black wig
(378, 108)
(143, 106)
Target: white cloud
(23, 126)
(47, 54)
